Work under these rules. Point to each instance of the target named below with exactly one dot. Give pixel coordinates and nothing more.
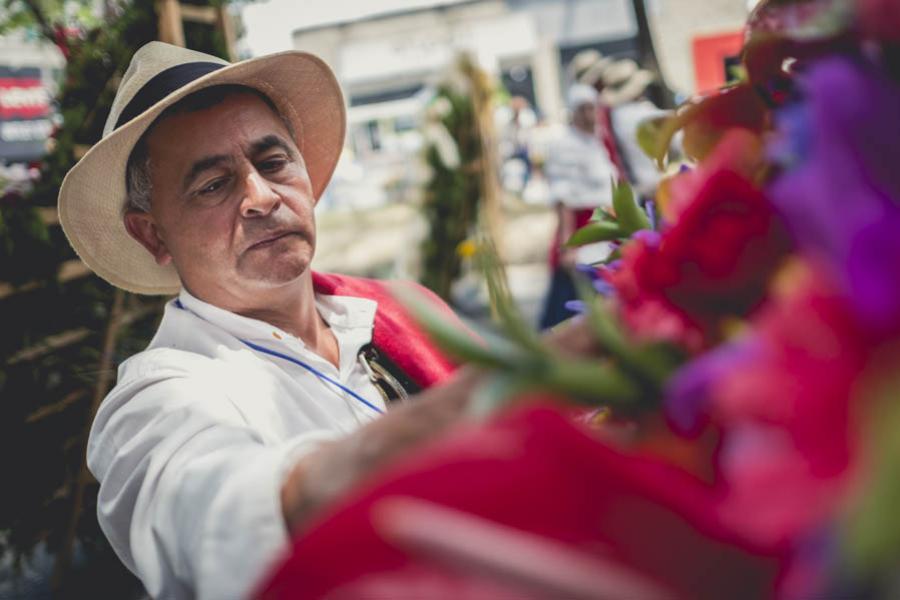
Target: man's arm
(325, 474)
(188, 492)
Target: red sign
(22, 98)
(712, 56)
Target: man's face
(232, 204)
(585, 117)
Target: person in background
(622, 87)
(517, 119)
(580, 175)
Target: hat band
(162, 84)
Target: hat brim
(629, 90)
(92, 195)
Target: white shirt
(192, 445)
(579, 171)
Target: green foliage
(606, 228)
(625, 375)
(873, 530)
(452, 195)
(629, 215)
(650, 135)
(601, 231)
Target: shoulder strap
(396, 334)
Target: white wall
(675, 23)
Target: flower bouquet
(747, 394)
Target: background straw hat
(624, 81)
(92, 196)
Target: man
(580, 177)
(233, 427)
(623, 106)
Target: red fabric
(582, 218)
(395, 332)
(536, 472)
(608, 138)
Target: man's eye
(212, 187)
(271, 165)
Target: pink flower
(786, 407)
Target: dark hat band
(162, 84)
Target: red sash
(395, 333)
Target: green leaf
(631, 217)
(590, 381)
(650, 363)
(603, 231)
(654, 137)
(487, 350)
(600, 215)
(502, 303)
(873, 528)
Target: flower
(839, 195)
(738, 150)
(690, 390)
(879, 19)
(783, 397)
(713, 262)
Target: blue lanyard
(314, 371)
(300, 363)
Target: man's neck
(293, 310)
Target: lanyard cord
(300, 363)
(314, 371)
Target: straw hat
(587, 67)
(624, 81)
(92, 196)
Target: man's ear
(142, 227)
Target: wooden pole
(647, 54)
(171, 27)
(104, 378)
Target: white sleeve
(189, 495)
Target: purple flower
(652, 239)
(690, 391)
(603, 287)
(589, 270)
(840, 192)
(575, 306)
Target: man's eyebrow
(204, 164)
(271, 141)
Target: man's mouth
(270, 239)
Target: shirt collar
(345, 312)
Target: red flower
(880, 19)
(714, 262)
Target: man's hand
(324, 475)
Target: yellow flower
(467, 248)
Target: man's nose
(259, 198)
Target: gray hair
(138, 184)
